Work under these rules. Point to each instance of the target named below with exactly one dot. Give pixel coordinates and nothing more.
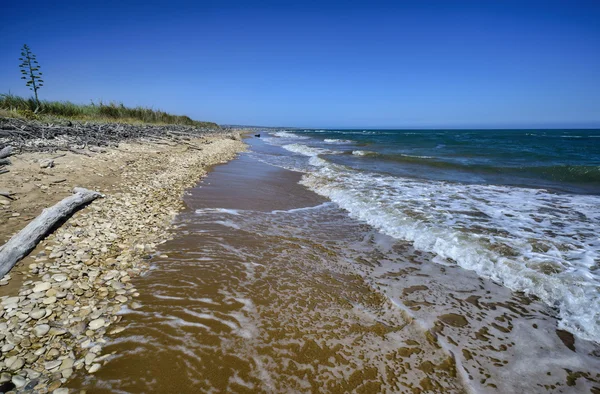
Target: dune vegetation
(16, 106)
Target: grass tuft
(112, 112)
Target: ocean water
(519, 207)
(347, 274)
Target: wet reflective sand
(267, 287)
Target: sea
(368, 261)
(520, 207)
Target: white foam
(287, 134)
(527, 239)
(362, 152)
(337, 141)
(308, 150)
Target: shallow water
(541, 238)
(268, 287)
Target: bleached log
(5, 152)
(25, 240)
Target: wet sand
(267, 287)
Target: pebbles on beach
(57, 323)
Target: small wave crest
(309, 150)
(287, 134)
(337, 141)
(364, 153)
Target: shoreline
(61, 300)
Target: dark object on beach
(257, 135)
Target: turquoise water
(521, 207)
(564, 160)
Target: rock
(5, 377)
(41, 330)
(17, 364)
(49, 300)
(54, 385)
(60, 277)
(89, 358)
(67, 363)
(18, 381)
(94, 368)
(135, 305)
(67, 284)
(55, 331)
(116, 330)
(52, 354)
(46, 163)
(122, 299)
(52, 364)
(37, 314)
(44, 286)
(66, 373)
(7, 348)
(96, 324)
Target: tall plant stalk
(30, 71)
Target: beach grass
(20, 107)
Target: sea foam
(527, 239)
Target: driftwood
(7, 194)
(25, 240)
(5, 152)
(4, 162)
(29, 135)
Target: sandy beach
(59, 304)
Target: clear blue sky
(485, 63)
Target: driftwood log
(25, 240)
(5, 152)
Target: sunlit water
(269, 287)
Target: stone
(41, 330)
(135, 305)
(67, 363)
(52, 354)
(122, 299)
(7, 348)
(44, 286)
(66, 373)
(89, 358)
(49, 300)
(46, 163)
(18, 381)
(5, 377)
(52, 364)
(94, 368)
(60, 277)
(96, 324)
(17, 364)
(37, 314)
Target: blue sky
(406, 64)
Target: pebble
(61, 390)
(60, 277)
(42, 287)
(53, 364)
(96, 324)
(41, 330)
(94, 368)
(49, 300)
(18, 381)
(37, 314)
